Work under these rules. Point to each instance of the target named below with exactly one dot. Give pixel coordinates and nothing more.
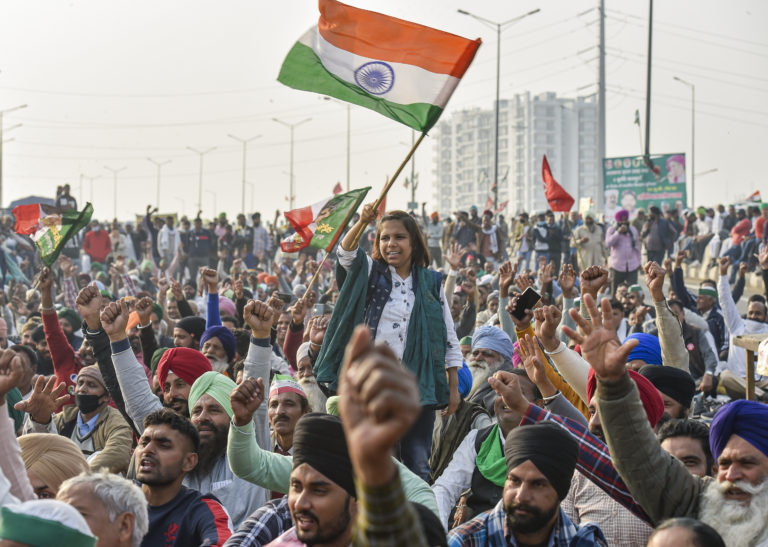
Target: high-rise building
(529, 126)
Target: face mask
(96, 228)
(87, 403)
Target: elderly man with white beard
(735, 502)
(492, 351)
(308, 381)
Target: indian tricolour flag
(49, 227)
(400, 69)
(321, 224)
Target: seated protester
(219, 346)
(178, 370)
(734, 503)
(286, 403)
(188, 332)
(478, 464)
(99, 430)
(703, 303)
(675, 386)
(685, 531)
(49, 461)
(702, 362)
(540, 460)
(308, 381)
(492, 351)
(646, 352)
(688, 441)
(40, 523)
(178, 516)
(732, 378)
(114, 508)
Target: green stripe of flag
(303, 70)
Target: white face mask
(96, 228)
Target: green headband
(707, 291)
(37, 531)
(635, 288)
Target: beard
(219, 365)
(739, 525)
(315, 395)
(481, 371)
(534, 521)
(328, 533)
(211, 448)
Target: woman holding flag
(401, 299)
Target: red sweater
(66, 363)
(97, 245)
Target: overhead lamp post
(499, 26)
(693, 136)
(91, 179)
(244, 142)
(114, 193)
(201, 153)
(159, 165)
(291, 126)
(2, 112)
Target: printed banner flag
(400, 69)
(320, 225)
(559, 200)
(49, 227)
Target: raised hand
(724, 263)
(162, 287)
(298, 311)
(11, 372)
(762, 257)
(379, 401)
(45, 279)
(593, 279)
(567, 280)
(600, 346)
(654, 278)
(547, 320)
(679, 257)
(522, 282)
(176, 290)
(529, 347)
(144, 310)
(277, 306)
(245, 399)
(45, 399)
(317, 331)
(88, 304)
(258, 316)
(506, 276)
(545, 274)
(368, 214)
(507, 386)
(520, 324)
(114, 320)
(454, 258)
(238, 288)
(67, 268)
(210, 277)
(743, 267)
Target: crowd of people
(458, 381)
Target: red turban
(186, 363)
(272, 280)
(262, 276)
(649, 395)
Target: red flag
(559, 200)
(488, 204)
(337, 189)
(502, 206)
(382, 208)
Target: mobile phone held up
(527, 301)
(285, 297)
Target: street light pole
(6, 111)
(114, 193)
(244, 142)
(91, 179)
(349, 130)
(200, 181)
(159, 165)
(693, 137)
(291, 126)
(499, 26)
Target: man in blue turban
(219, 346)
(492, 351)
(646, 352)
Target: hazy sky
(112, 83)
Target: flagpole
(317, 272)
(389, 184)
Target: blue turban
(493, 338)
(465, 380)
(224, 335)
(647, 349)
(746, 419)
